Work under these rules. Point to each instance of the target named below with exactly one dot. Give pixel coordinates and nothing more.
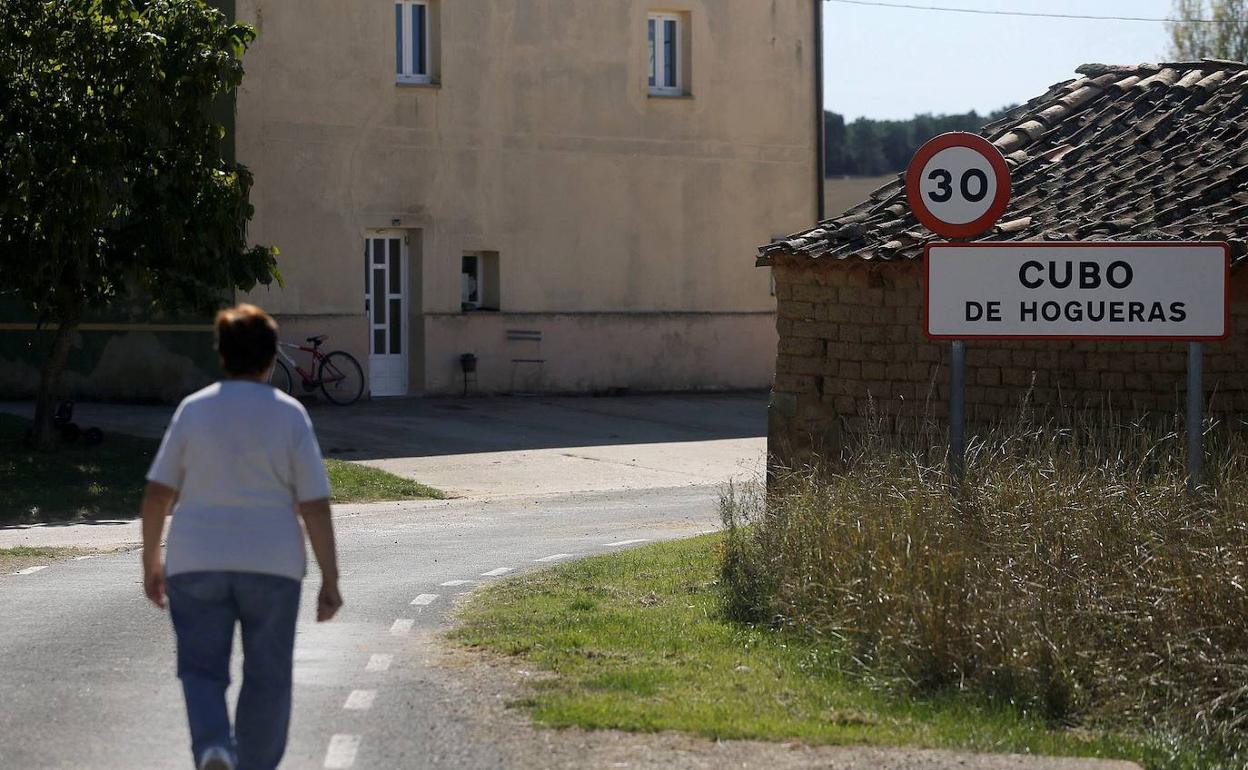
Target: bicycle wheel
(342, 379)
(280, 378)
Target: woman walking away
(238, 462)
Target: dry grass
(1070, 575)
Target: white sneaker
(216, 758)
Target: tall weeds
(1069, 574)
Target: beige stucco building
(524, 182)
(562, 188)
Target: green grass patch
(354, 483)
(639, 642)
(74, 482)
(81, 482)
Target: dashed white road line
(626, 542)
(402, 626)
(496, 572)
(360, 700)
(453, 583)
(30, 570)
(555, 557)
(342, 751)
(379, 662)
(88, 556)
(424, 600)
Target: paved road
(88, 666)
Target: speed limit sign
(958, 185)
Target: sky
(896, 63)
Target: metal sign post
(957, 408)
(1195, 421)
(958, 186)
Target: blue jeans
(204, 607)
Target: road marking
(496, 572)
(554, 557)
(379, 662)
(88, 556)
(360, 700)
(425, 600)
(30, 570)
(627, 542)
(402, 626)
(453, 583)
(342, 750)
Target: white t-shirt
(241, 454)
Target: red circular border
(999, 202)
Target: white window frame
(405, 72)
(660, 66)
(468, 307)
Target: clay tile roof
(1151, 152)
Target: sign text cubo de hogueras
(1118, 291)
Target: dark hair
(246, 340)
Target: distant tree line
(868, 147)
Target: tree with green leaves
(112, 181)
(1214, 29)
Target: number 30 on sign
(958, 185)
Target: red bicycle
(338, 374)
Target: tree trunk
(43, 437)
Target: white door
(385, 297)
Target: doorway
(385, 301)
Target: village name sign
(958, 186)
(1160, 291)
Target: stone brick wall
(852, 349)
